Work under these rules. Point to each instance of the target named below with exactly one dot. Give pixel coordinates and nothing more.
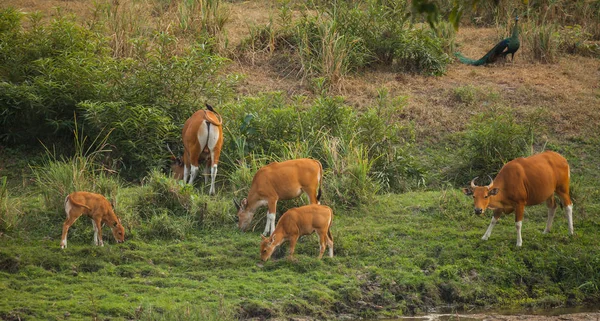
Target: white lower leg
(518, 226)
(186, 174)
(63, 243)
(213, 176)
(273, 224)
(270, 222)
(193, 174)
(489, 229)
(569, 211)
(95, 232)
(551, 212)
(330, 249)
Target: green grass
(403, 254)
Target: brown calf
(96, 207)
(297, 222)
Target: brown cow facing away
(202, 137)
(525, 182)
(297, 222)
(280, 181)
(96, 207)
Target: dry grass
(568, 92)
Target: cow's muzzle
(478, 211)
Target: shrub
(45, 71)
(138, 134)
(161, 193)
(348, 182)
(492, 139)
(420, 51)
(162, 225)
(10, 212)
(56, 177)
(388, 143)
(542, 39)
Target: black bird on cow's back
(507, 46)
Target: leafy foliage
(492, 139)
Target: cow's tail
(70, 201)
(320, 180)
(329, 227)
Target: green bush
(492, 139)
(159, 193)
(10, 209)
(56, 177)
(138, 134)
(542, 39)
(46, 70)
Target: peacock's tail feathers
(469, 61)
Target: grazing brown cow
(96, 207)
(525, 182)
(202, 139)
(297, 222)
(280, 181)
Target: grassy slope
(401, 255)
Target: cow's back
(535, 178)
(286, 178)
(96, 202)
(308, 217)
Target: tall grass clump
(123, 22)
(324, 50)
(58, 176)
(169, 209)
(348, 181)
(202, 16)
(542, 39)
(389, 144)
(492, 139)
(10, 211)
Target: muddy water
(566, 314)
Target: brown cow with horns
(525, 182)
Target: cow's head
(177, 167)
(118, 231)
(267, 246)
(244, 216)
(481, 195)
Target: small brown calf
(297, 222)
(96, 207)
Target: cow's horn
(237, 204)
(473, 182)
(491, 183)
(170, 151)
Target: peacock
(502, 49)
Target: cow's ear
(494, 191)
(263, 237)
(115, 224)
(467, 191)
(244, 203)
